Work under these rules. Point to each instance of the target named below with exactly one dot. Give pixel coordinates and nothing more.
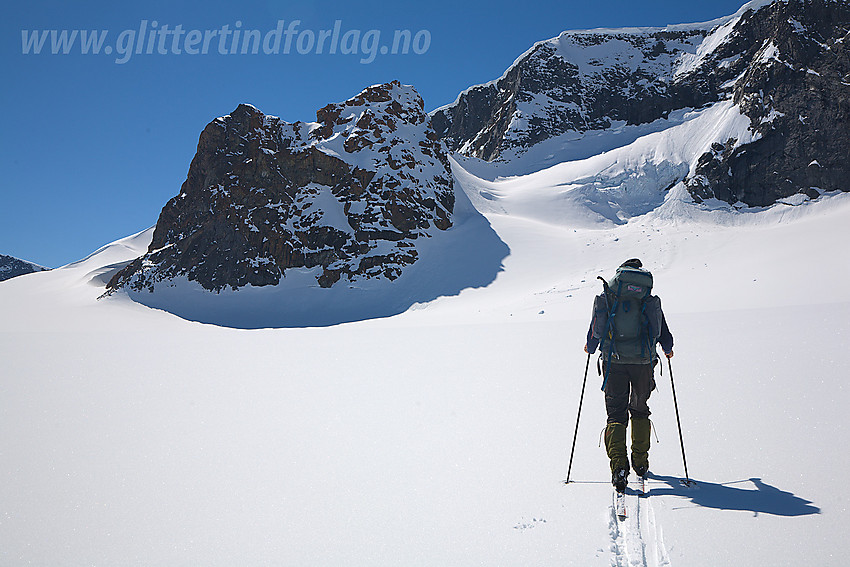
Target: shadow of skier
(763, 499)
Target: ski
(642, 487)
(620, 505)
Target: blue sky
(92, 148)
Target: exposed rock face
(11, 267)
(785, 64)
(349, 195)
(578, 81)
(793, 82)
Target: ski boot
(620, 479)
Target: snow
(718, 29)
(770, 52)
(8, 264)
(721, 31)
(798, 27)
(440, 435)
(689, 62)
(772, 115)
(592, 58)
(324, 206)
(598, 56)
(610, 186)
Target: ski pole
(687, 480)
(578, 417)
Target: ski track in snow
(637, 541)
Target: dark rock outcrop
(349, 196)
(11, 267)
(577, 82)
(795, 88)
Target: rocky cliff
(793, 82)
(348, 196)
(576, 82)
(785, 64)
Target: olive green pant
(626, 392)
(615, 444)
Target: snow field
(439, 436)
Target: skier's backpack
(632, 321)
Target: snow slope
(441, 435)
(609, 186)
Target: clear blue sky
(92, 149)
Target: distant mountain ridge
(11, 267)
(785, 64)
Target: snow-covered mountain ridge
(784, 64)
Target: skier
(626, 325)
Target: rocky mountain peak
(346, 197)
(391, 102)
(11, 267)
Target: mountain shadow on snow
(468, 255)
